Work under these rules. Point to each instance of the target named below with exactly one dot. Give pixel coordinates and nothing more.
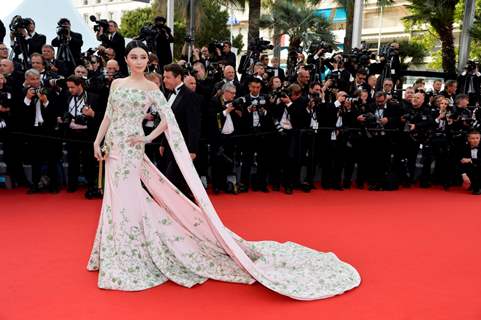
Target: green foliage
(299, 22)
(133, 20)
(413, 50)
(214, 26)
(238, 42)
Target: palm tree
(440, 15)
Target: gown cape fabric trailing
(152, 233)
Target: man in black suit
(471, 163)
(111, 38)
(35, 41)
(52, 64)
(227, 55)
(185, 106)
(163, 40)
(39, 114)
(81, 112)
(3, 32)
(72, 40)
(224, 122)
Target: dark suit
(186, 109)
(473, 170)
(75, 45)
(36, 43)
(3, 32)
(116, 42)
(42, 149)
(78, 152)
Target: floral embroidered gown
(152, 233)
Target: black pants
(80, 153)
(310, 153)
(13, 151)
(254, 149)
(378, 159)
(173, 173)
(285, 168)
(222, 156)
(43, 150)
(332, 161)
(474, 173)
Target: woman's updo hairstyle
(135, 44)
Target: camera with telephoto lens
(388, 52)
(102, 23)
(361, 57)
(41, 90)
(281, 92)
(18, 23)
(62, 31)
(239, 103)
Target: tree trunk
(447, 49)
(254, 17)
(349, 24)
(277, 43)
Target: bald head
(190, 83)
(6, 66)
(112, 67)
(229, 73)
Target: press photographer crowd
(342, 118)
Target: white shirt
(285, 121)
(175, 93)
(338, 121)
(474, 153)
(228, 127)
(38, 110)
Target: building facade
(107, 9)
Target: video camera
(388, 52)
(18, 23)
(102, 23)
(359, 56)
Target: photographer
(359, 82)
(224, 122)
(310, 142)
(39, 114)
(389, 65)
(3, 31)
(469, 82)
(227, 55)
(229, 77)
(276, 71)
(287, 118)
(111, 38)
(80, 120)
(470, 163)
(35, 40)
(449, 92)
(69, 44)
(163, 40)
(418, 122)
(255, 121)
(48, 79)
(383, 114)
(51, 64)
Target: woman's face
(137, 60)
(276, 83)
(443, 103)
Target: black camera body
(18, 23)
(102, 23)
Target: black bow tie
(474, 148)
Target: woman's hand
(97, 152)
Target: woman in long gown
(149, 235)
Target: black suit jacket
(117, 42)
(3, 32)
(49, 113)
(36, 43)
(94, 102)
(217, 118)
(186, 108)
(466, 153)
(75, 45)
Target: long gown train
(149, 235)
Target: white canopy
(46, 14)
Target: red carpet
(418, 252)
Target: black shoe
(338, 187)
(288, 190)
(264, 189)
(476, 192)
(347, 185)
(276, 187)
(424, 185)
(71, 189)
(243, 188)
(33, 190)
(54, 189)
(306, 187)
(216, 190)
